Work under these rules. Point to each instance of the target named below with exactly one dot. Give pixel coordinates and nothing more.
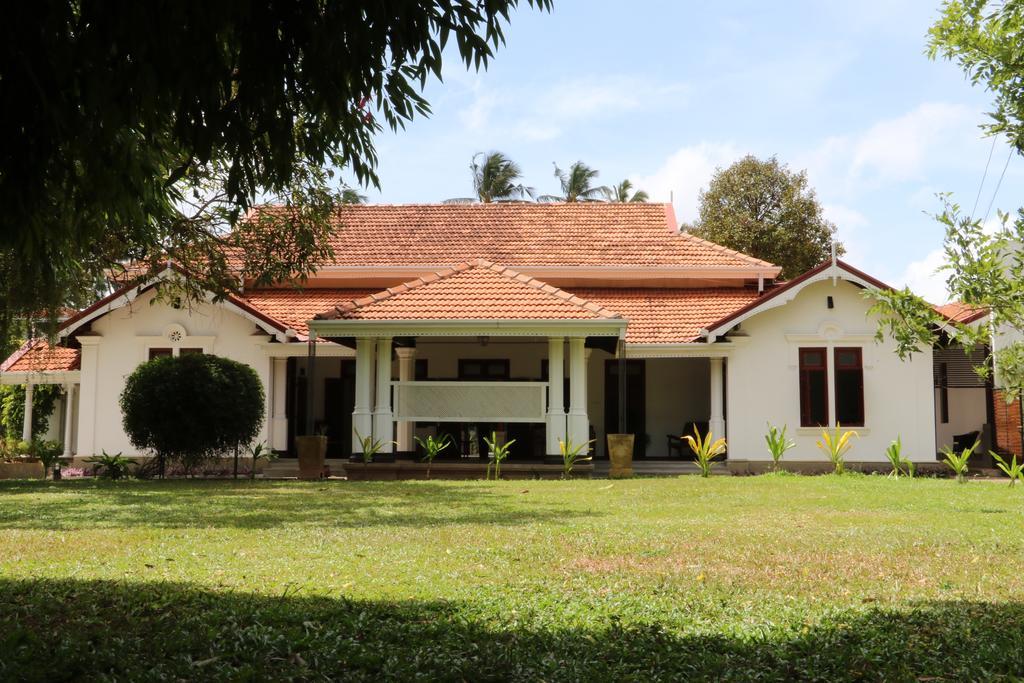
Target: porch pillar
(578, 426)
(26, 425)
(278, 405)
(383, 418)
(362, 414)
(69, 424)
(717, 421)
(406, 373)
(556, 399)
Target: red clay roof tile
(36, 355)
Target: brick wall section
(1007, 423)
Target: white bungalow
(521, 319)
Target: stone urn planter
(22, 469)
(620, 453)
(312, 451)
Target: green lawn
(755, 578)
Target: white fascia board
(458, 328)
(833, 272)
(60, 377)
(692, 350)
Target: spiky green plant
(958, 462)
(573, 455)
(705, 449)
(778, 444)
(836, 445)
(257, 452)
(432, 447)
(499, 451)
(900, 465)
(1013, 469)
(370, 447)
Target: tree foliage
(192, 407)
(578, 184)
(137, 132)
(12, 408)
(623, 193)
(761, 208)
(496, 178)
(983, 269)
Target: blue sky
(664, 92)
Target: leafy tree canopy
(141, 131)
(192, 407)
(983, 269)
(761, 208)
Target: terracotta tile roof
(669, 316)
(522, 234)
(293, 308)
(960, 312)
(36, 355)
(471, 291)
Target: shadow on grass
(263, 505)
(65, 629)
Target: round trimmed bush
(192, 407)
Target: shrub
(572, 455)
(1013, 469)
(778, 444)
(894, 452)
(432, 447)
(958, 462)
(706, 449)
(499, 451)
(836, 445)
(108, 466)
(190, 408)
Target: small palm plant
(894, 452)
(499, 451)
(958, 462)
(432, 447)
(836, 445)
(370, 447)
(573, 455)
(706, 449)
(1013, 470)
(259, 452)
(778, 444)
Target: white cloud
(685, 173)
(849, 223)
(924, 278)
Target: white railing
(470, 401)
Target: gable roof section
(471, 291)
(669, 316)
(294, 308)
(785, 293)
(36, 355)
(587, 234)
(959, 312)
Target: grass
(776, 577)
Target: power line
(984, 175)
(1001, 175)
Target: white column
(26, 426)
(69, 424)
(578, 424)
(406, 373)
(362, 415)
(717, 422)
(556, 399)
(279, 404)
(383, 417)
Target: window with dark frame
(849, 370)
(160, 353)
(190, 352)
(813, 387)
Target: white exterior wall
(967, 413)
(443, 354)
(763, 383)
(121, 341)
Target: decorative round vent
(175, 333)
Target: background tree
(496, 178)
(983, 269)
(577, 184)
(191, 408)
(621, 193)
(763, 209)
(142, 131)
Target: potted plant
(312, 451)
(620, 452)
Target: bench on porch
(680, 445)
